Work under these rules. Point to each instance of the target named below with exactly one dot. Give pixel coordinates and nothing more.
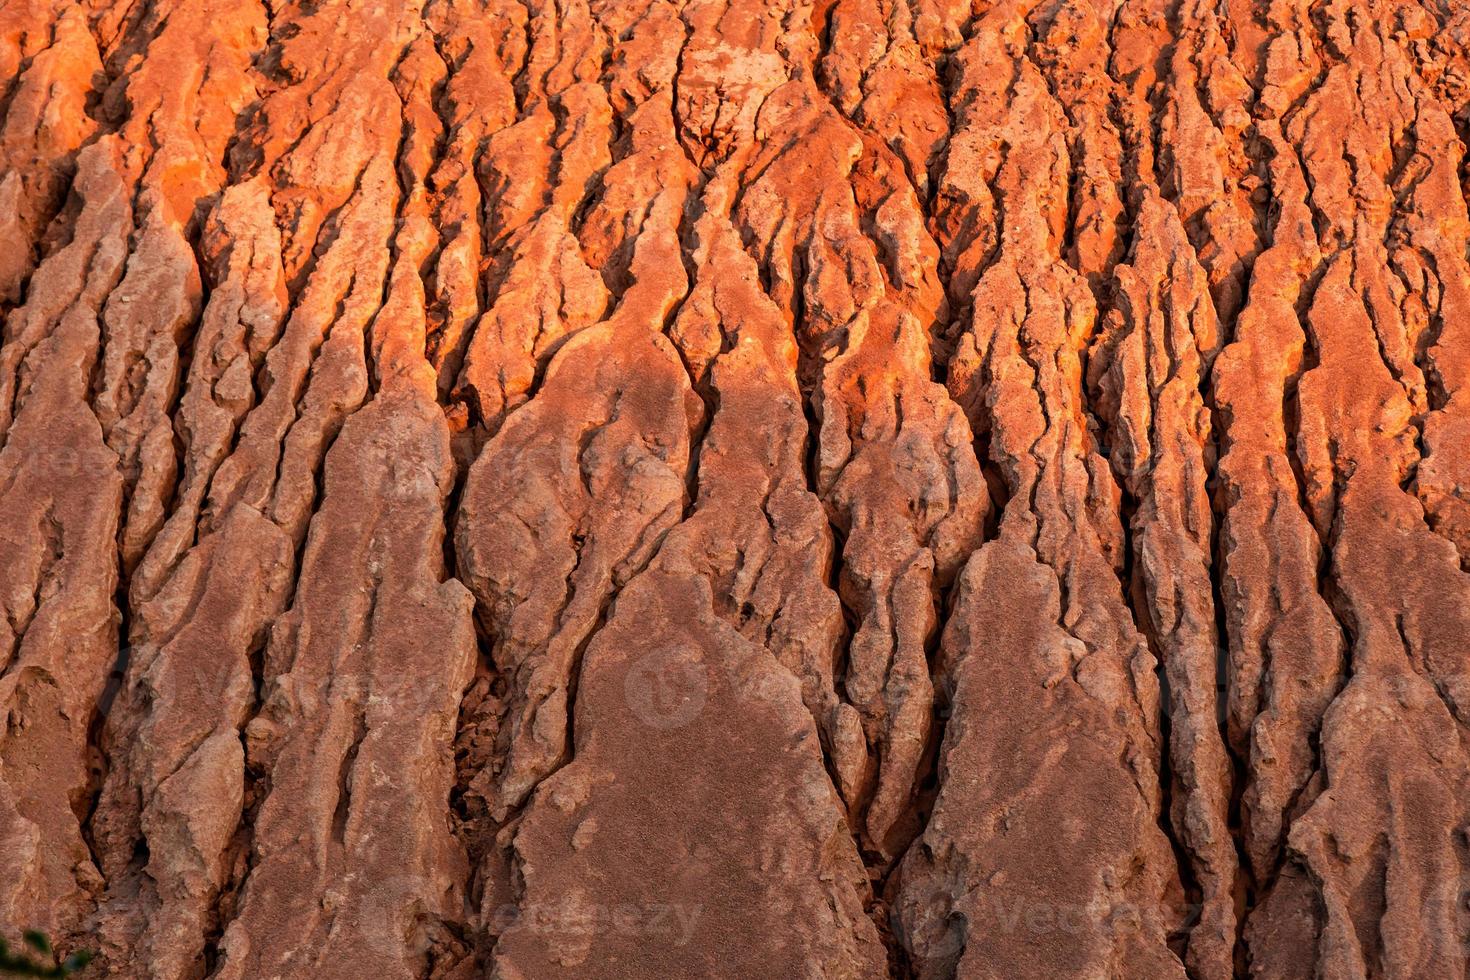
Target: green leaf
(18, 964)
(77, 960)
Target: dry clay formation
(692, 488)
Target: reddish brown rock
(60, 497)
(1152, 359)
(1278, 623)
(621, 488)
(1057, 867)
(628, 862)
(51, 68)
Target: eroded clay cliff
(681, 488)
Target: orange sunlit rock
(736, 488)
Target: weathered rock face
(681, 488)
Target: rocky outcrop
(720, 487)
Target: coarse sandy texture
(736, 488)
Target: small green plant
(21, 964)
